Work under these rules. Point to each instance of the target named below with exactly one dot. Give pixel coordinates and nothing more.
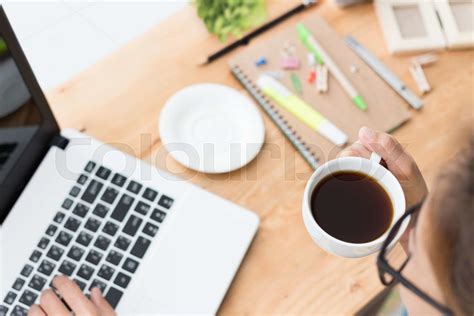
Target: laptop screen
(27, 126)
(19, 115)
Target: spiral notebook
(386, 110)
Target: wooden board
(386, 110)
(119, 99)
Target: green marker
(322, 57)
(295, 81)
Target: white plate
(211, 128)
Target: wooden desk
(119, 100)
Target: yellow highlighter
(301, 110)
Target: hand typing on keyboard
(70, 294)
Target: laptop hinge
(60, 141)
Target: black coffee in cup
(351, 207)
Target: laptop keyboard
(98, 238)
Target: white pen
(322, 57)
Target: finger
(355, 150)
(51, 304)
(387, 147)
(101, 303)
(73, 296)
(35, 310)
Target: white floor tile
(30, 18)
(64, 37)
(78, 5)
(123, 21)
(61, 52)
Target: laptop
(71, 205)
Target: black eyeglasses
(389, 274)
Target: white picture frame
(455, 37)
(430, 35)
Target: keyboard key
(18, 284)
(132, 226)
(94, 257)
(3, 310)
(110, 228)
(130, 265)
(92, 191)
(150, 194)
(37, 283)
(122, 243)
(84, 239)
(43, 243)
(102, 243)
(72, 224)
(67, 268)
(98, 284)
(101, 210)
(80, 210)
(67, 204)
(92, 224)
(46, 267)
(90, 166)
(59, 217)
(81, 284)
(113, 296)
(103, 173)
(122, 207)
(35, 256)
(85, 272)
(134, 187)
(64, 238)
(109, 195)
(106, 272)
(82, 179)
(122, 280)
(142, 208)
(10, 298)
(19, 311)
(28, 298)
(51, 230)
(114, 257)
(75, 191)
(140, 247)
(158, 216)
(55, 253)
(26, 271)
(165, 201)
(119, 180)
(75, 253)
(150, 229)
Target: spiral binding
(272, 112)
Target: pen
(322, 57)
(301, 110)
(247, 38)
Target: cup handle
(374, 157)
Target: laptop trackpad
(191, 268)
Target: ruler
(386, 74)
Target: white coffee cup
(375, 170)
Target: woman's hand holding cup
(399, 162)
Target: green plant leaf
(230, 17)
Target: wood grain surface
(118, 101)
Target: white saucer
(211, 128)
